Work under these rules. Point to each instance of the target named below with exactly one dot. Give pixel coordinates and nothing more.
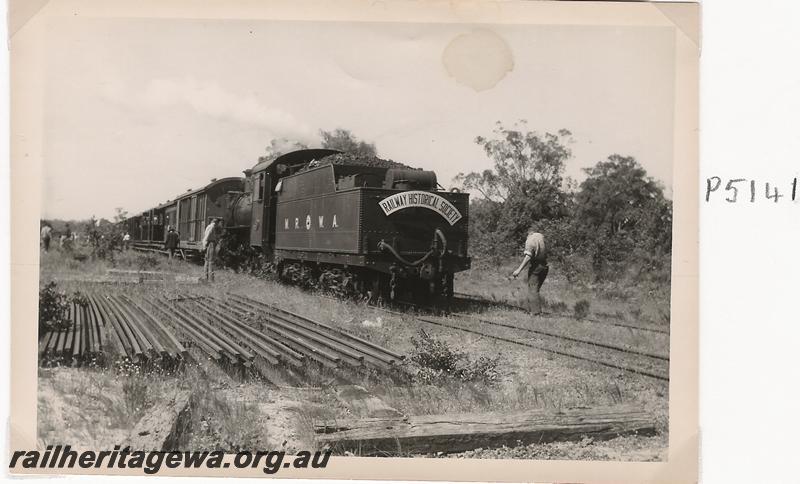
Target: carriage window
(260, 186)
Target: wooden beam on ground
(461, 432)
(361, 403)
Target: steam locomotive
(370, 228)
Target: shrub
(438, 361)
(104, 240)
(581, 309)
(79, 298)
(435, 354)
(53, 309)
(485, 370)
(557, 307)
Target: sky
(139, 110)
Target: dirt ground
(96, 408)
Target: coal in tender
(360, 159)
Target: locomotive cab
(256, 208)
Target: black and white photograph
(328, 238)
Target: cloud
(209, 99)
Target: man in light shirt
(535, 257)
(210, 238)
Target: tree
(617, 194)
(104, 238)
(344, 140)
(486, 237)
(624, 215)
(523, 162)
(120, 216)
(524, 186)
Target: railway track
(620, 324)
(618, 357)
(639, 363)
(620, 348)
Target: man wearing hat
(210, 239)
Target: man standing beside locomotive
(210, 239)
(535, 257)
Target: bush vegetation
(104, 239)
(438, 361)
(616, 224)
(581, 309)
(54, 307)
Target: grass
(96, 409)
(529, 379)
(222, 422)
(635, 303)
(581, 309)
(62, 265)
(93, 408)
(231, 414)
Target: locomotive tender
(331, 219)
